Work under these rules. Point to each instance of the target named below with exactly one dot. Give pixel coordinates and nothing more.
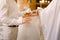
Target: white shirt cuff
(20, 20)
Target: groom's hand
(26, 20)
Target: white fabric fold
(50, 20)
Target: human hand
(26, 20)
(34, 13)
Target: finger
(28, 19)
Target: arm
(9, 13)
(11, 21)
(4, 15)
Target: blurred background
(33, 4)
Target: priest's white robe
(50, 19)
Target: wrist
(20, 19)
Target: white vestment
(50, 19)
(9, 15)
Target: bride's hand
(34, 13)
